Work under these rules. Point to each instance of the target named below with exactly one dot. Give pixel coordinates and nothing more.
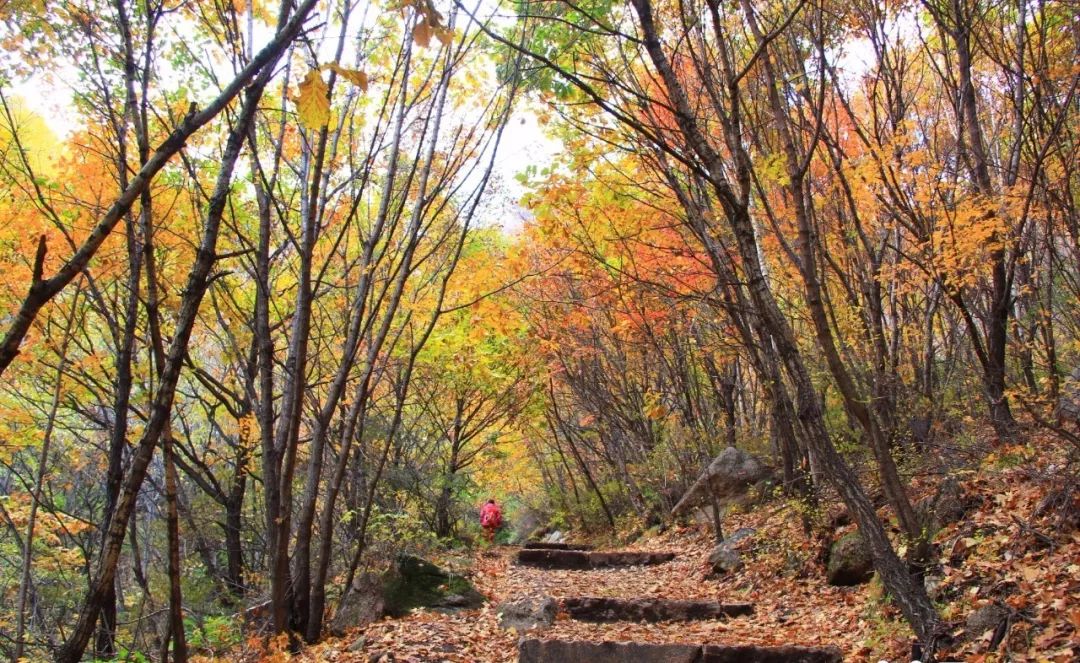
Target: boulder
(361, 605)
(527, 613)
(410, 583)
(986, 618)
(358, 645)
(525, 522)
(739, 535)
(933, 584)
(921, 428)
(725, 557)
(729, 475)
(850, 562)
(554, 537)
(417, 583)
(1068, 406)
(947, 505)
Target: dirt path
(788, 610)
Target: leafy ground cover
(1018, 549)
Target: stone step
(543, 545)
(596, 609)
(581, 560)
(532, 650)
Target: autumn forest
(292, 288)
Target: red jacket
(490, 515)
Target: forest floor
(1017, 549)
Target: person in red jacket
(490, 520)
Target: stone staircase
(568, 556)
(544, 545)
(597, 609)
(588, 559)
(533, 650)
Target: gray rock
(730, 475)
(740, 534)
(554, 537)
(361, 605)
(1068, 407)
(947, 505)
(986, 618)
(933, 585)
(358, 644)
(411, 583)
(524, 523)
(417, 583)
(725, 557)
(527, 613)
(850, 562)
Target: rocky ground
(1007, 579)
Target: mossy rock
(417, 583)
(850, 562)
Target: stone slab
(597, 609)
(544, 545)
(785, 654)
(564, 651)
(581, 560)
(532, 650)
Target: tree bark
(198, 281)
(908, 594)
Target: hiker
(490, 520)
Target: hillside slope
(1017, 549)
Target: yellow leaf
(444, 35)
(354, 76)
(313, 103)
(422, 34)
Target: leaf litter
(991, 556)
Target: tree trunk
(197, 283)
(908, 594)
(176, 601)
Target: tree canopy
(276, 306)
